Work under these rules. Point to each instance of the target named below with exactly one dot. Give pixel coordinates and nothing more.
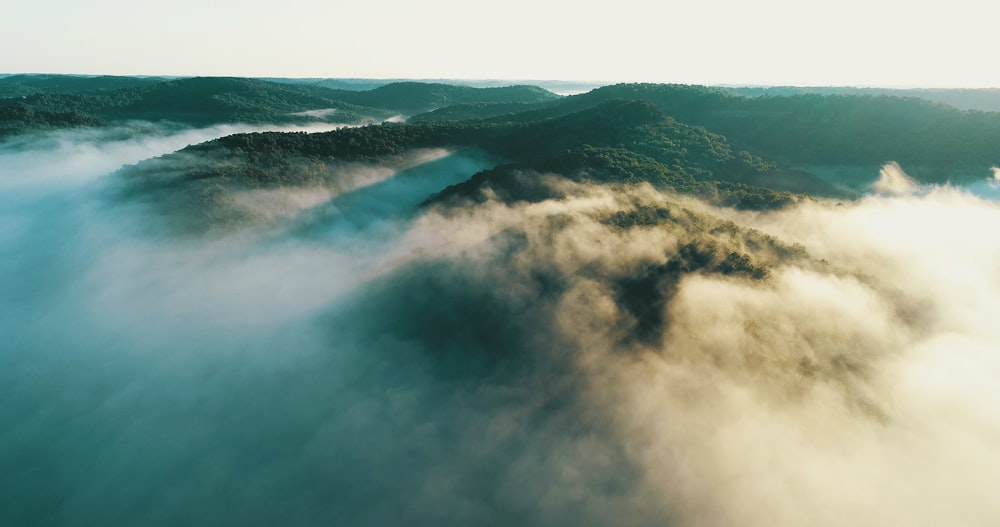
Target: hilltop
(59, 101)
(806, 131)
(617, 142)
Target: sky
(771, 42)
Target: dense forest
(747, 149)
(45, 102)
(616, 142)
(936, 141)
(24, 85)
(981, 99)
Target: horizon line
(591, 82)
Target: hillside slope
(935, 142)
(204, 101)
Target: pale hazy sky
(849, 42)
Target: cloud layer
(620, 356)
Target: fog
(901, 427)
(64, 157)
(892, 180)
(355, 359)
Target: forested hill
(31, 84)
(201, 101)
(935, 141)
(828, 135)
(746, 152)
(210, 100)
(414, 97)
(617, 142)
(981, 99)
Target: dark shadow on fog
(160, 382)
(376, 211)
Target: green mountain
(679, 101)
(18, 117)
(618, 142)
(415, 97)
(981, 99)
(206, 100)
(30, 84)
(746, 152)
(210, 100)
(807, 132)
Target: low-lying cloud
(65, 157)
(854, 392)
(893, 181)
(621, 356)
